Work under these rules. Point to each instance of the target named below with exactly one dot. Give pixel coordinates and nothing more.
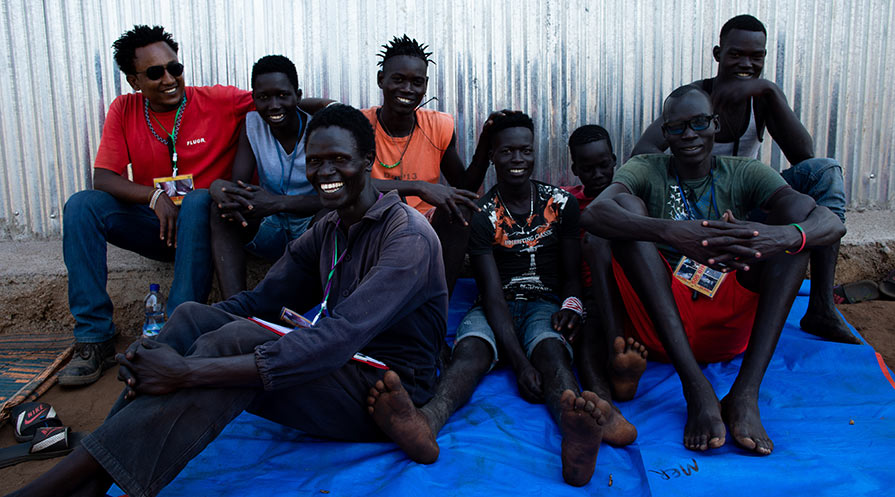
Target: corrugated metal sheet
(567, 63)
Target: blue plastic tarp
(828, 407)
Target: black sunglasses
(698, 123)
(157, 72)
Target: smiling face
(690, 148)
(275, 99)
(513, 155)
(335, 167)
(594, 164)
(164, 94)
(742, 54)
(403, 82)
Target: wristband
(804, 239)
(155, 197)
(573, 304)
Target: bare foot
(394, 412)
(581, 424)
(828, 326)
(618, 431)
(626, 367)
(742, 416)
(705, 427)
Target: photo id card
(699, 277)
(175, 187)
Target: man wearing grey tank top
(264, 218)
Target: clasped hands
(241, 202)
(730, 243)
(151, 367)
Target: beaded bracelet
(573, 304)
(155, 197)
(804, 239)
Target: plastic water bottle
(154, 304)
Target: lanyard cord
(684, 195)
(291, 157)
(172, 150)
(332, 270)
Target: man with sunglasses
(165, 129)
(747, 104)
(698, 284)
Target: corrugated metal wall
(567, 63)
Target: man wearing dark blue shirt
(373, 263)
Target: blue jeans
(92, 218)
(274, 233)
(532, 320)
(821, 179)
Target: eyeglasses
(157, 72)
(698, 123)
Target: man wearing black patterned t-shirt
(525, 255)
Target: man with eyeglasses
(746, 104)
(697, 282)
(164, 130)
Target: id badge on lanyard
(699, 277)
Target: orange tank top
(422, 150)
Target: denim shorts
(820, 179)
(274, 233)
(531, 320)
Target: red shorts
(717, 328)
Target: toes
(392, 380)
(618, 345)
(716, 442)
(567, 400)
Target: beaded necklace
(172, 150)
(389, 134)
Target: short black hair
(510, 120)
(275, 63)
(744, 22)
(349, 118)
(587, 134)
(404, 46)
(125, 47)
(680, 92)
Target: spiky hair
(404, 46)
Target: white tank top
(746, 145)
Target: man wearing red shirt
(164, 130)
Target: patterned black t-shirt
(526, 250)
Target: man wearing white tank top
(747, 104)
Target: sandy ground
(84, 409)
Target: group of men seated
(687, 257)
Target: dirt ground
(84, 409)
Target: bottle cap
(153, 287)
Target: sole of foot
(581, 424)
(626, 367)
(618, 431)
(394, 413)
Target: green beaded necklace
(406, 145)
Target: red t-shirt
(206, 141)
(583, 202)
